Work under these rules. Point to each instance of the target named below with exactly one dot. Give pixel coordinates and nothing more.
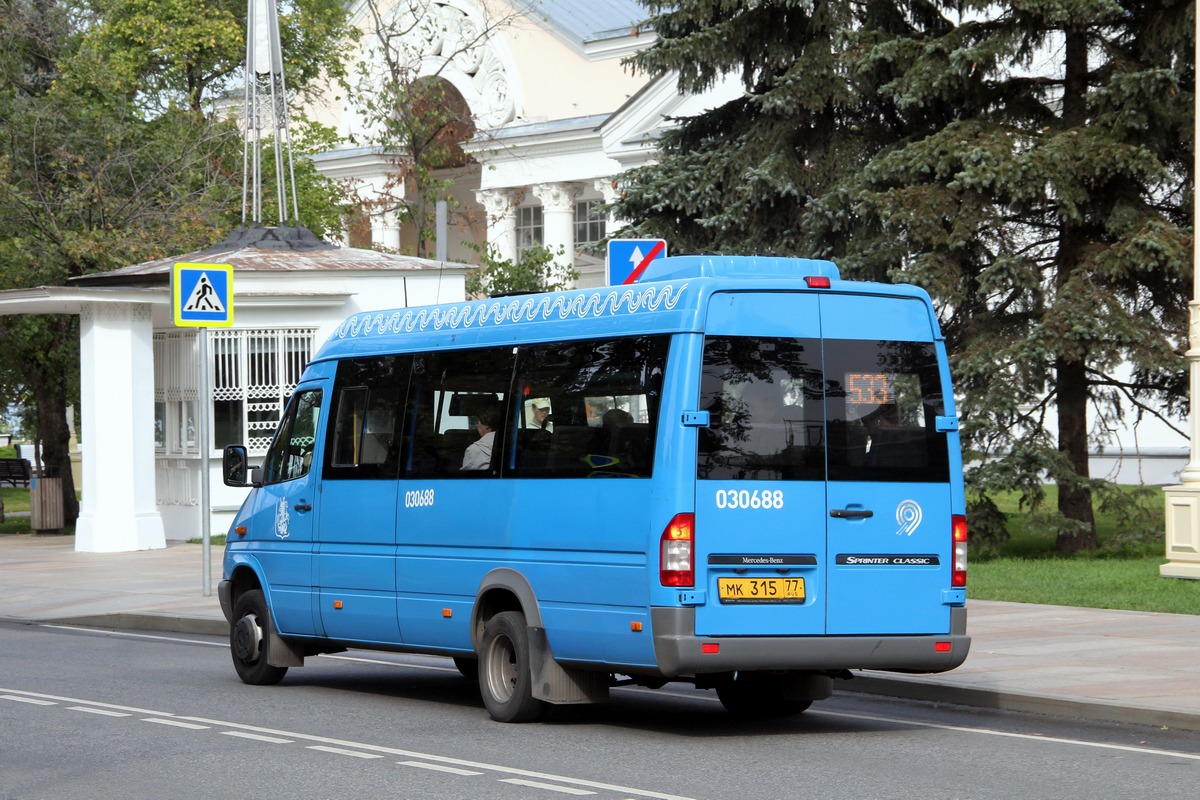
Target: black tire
(250, 638)
(468, 666)
(750, 694)
(505, 680)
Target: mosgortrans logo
(908, 517)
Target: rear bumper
(678, 649)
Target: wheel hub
(247, 638)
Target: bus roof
(669, 298)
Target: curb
(158, 623)
(1025, 702)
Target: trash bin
(46, 504)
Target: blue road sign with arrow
(628, 258)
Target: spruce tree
(740, 177)
(1051, 218)
(1028, 163)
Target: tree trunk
(55, 438)
(1074, 501)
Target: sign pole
(202, 439)
(202, 296)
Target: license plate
(760, 590)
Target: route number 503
(745, 498)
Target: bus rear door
(890, 538)
(760, 490)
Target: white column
(499, 206)
(558, 218)
(1183, 502)
(385, 230)
(116, 353)
(608, 190)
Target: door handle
(851, 513)
(302, 507)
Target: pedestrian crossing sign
(202, 295)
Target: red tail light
(817, 281)
(676, 565)
(958, 524)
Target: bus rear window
(883, 399)
(764, 399)
(804, 409)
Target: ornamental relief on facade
(449, 39)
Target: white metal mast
(266, 117)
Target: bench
(16, 472)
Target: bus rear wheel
(505, 680)
(250, 638)
(761, 694)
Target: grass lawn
(17, 500)
(1129, 583)
(1122, 574)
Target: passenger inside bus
(541, 417)
(479, 454)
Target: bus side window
(605, 395)
(364, 437)
(450, 390)
(290, 454)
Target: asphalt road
(94, 714)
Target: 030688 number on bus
(745, 498)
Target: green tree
(742, 177)
(185, 52)
(1029, 164)
(535, 270)
(95, 173)
(1051, 219)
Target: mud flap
(557, 684)
(282, 653)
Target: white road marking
(258, 737)
(128, 635)
(104, 712)
(690, 696)
(341, 751)
(548, 786)
(1033, 737)
(175, 723)
(439, 768)
(386, 663)
(30, 700)
(360, 747)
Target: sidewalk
(1121, 666)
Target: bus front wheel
(505, 680)
(250, 638)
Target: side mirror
(234, 465)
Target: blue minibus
(742, 473)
